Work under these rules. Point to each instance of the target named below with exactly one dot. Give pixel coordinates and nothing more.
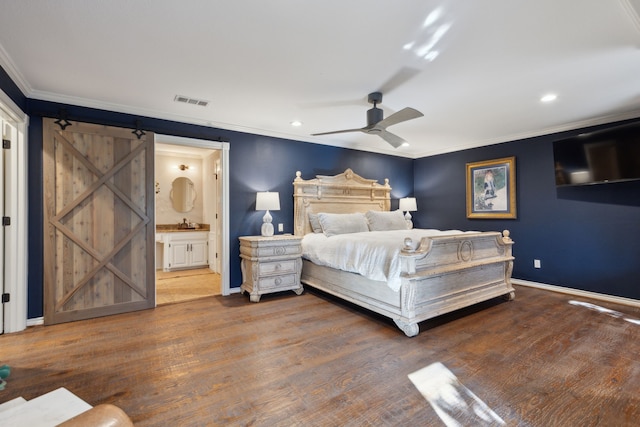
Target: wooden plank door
(99, 230)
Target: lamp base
(267, 229)
(267, 226)
(407, 218)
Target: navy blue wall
(586, 237)
(257, 163)
(11, 89)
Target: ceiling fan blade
(391, 138)
(339, 131)
(403, 115)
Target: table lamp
(408, 204)
(267, 201)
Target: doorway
(191, 218)
(186, 285)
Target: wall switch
(280, 227)
(536, 263)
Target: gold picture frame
(491, 189)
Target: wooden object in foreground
(104, 415)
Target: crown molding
(156, 114)
(119, 108)
(595, 121)
(14, 73)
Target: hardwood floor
(186, 285)
(311, 361)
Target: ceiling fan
(377, 125)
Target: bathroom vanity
(183, 248)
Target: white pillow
(315, 224)
(383, 221)
(333, 224)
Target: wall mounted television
(603, 156)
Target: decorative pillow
(333, 224)
(383, 221)
(315, 223)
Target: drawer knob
(278, 266)
(278, 281)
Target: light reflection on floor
(454, 403)
(606, 311)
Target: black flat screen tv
(604, 156)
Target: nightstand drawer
(279, 250)
(282, 281)
(278, 267)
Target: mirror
(183, 194)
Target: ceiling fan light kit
(377, 124)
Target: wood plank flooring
(186, 285)
(312, 361)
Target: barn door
(98, 221)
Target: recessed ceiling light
(549, 97)
(296, 123)
(404, 144)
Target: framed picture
(491, 189)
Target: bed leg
(409, 329)
(510, 296)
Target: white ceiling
(476, 69)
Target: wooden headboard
(343, 193)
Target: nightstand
(270, 264)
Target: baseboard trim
(36, 321)
(578, 292)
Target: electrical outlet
(536, 263)
(280, 228)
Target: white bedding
(372, 254)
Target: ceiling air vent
(192, 101)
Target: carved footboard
(450, 272)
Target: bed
(438, 273)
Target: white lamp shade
(267, 201)
(408, 204)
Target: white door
(218, 222)
(13, 239)
(211, 179)
(6, 141)
(13, 287)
